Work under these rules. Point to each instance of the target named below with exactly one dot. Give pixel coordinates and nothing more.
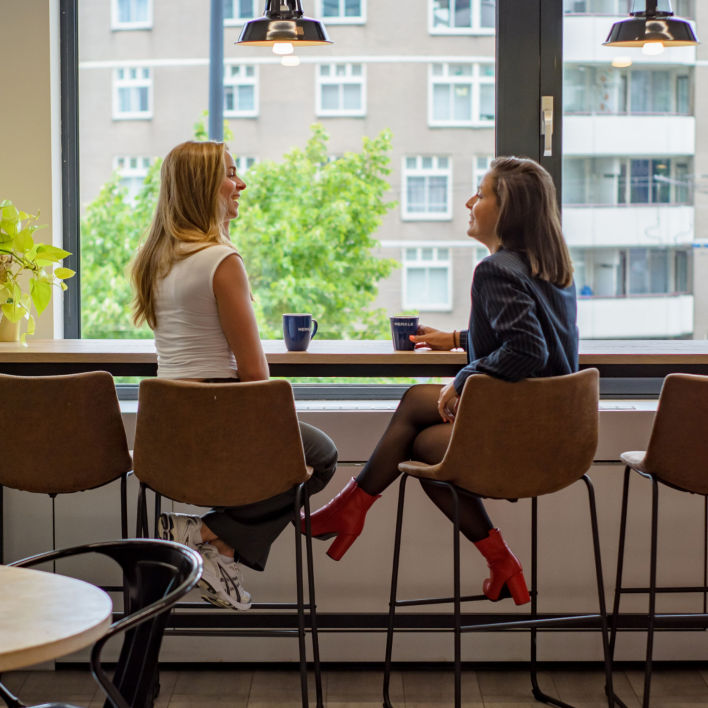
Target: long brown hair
(529, 219)
(189, 212)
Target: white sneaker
(219, 587)
(181, 528)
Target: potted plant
(27, 272)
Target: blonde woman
(192, 289)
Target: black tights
(416, 431)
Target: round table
(44, 616)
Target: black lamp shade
(635, 31)
(283, 21)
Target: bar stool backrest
(678, 446)
(61, 433)
(218, 444)
(521, 439)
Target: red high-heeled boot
(342, 517)
(505, 568)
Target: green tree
(305, 231)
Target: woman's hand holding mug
(433, 338)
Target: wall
(30, 163)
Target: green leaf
(24, 241)
(12, 311)
(41, 292)
(64, 273)
(51, 253)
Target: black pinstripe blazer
(520, 326)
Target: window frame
(242, 81)
(435, 262)
(118, 26)
(474, 29)
(341, 19)
(321, 112)
(239, 21)
(143, 82)
(474, 80)
(419, 171)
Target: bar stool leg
(300, 602)
(394, 590)
(312, 603)
(652, 590)
(456, 593)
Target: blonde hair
(529, 219)
(189, 212)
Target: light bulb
(651, 49)
(290, 60)
(282, 48)
(622, 62)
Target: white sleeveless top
(189, 340)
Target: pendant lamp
(283, 21)
(655, 25)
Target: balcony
(583, 37)
(628, 225)
(638, 317)
(634, 135)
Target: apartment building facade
(632, 137)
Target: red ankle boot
(505, 568)
(342, 517)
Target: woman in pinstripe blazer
(522, 324)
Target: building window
(624, 180)
(132, 96)
(244, 163)
(481, 167)
(622, 272)
(132, 172)
(131, 14)
(241, 91)
(606, 90)
(236, 12)
(461, 95)
(681, 8)
(427, 279)
(427, 188)
(341, 90)
(462, 16)
(342, 11)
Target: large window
(462, 16)
(342, 11)
(427, 277)
(461, 95)
(132, 93)
(637, 91)
(626, 180)
(341, 90)
(131, 14)
(427, 188)
(241, 91)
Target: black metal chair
(156, 575)
(67, 436)
(676, 457)
(247, 436)
(512, 441)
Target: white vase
(9, 331)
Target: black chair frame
(156, 574)
(697, 621)
(534, 623)
(306, 611)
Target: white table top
(44, 616)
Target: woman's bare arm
(238, 320)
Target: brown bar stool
(676, 457)
(65, 435)
(513, 441)
(227, 445)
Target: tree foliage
(305, 231)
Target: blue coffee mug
(401, 328)
(298, 330)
